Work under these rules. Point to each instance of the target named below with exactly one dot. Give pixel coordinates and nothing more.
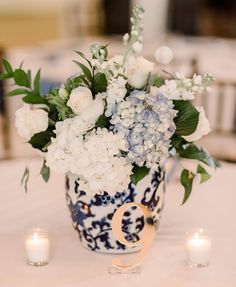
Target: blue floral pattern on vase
(92, 216)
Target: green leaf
(186, 180)
(158, 82)
(17, 92)
(41, 140)
(5, 76)
(37, 83)
(100, 83)
(81, 54)
(80, 81)
(21, 64)
(21, 78)
(7, 66)
(216, 163)
(84, 57)
(177, 142)
(86, 71)
(29, 76)
(192, 151)
(45, 172)
(34, 99)
(59, 104)
(139, 173)
(25, 179)
(187, 118)
(204, 174)
(102, 122)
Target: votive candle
(198, 248)
(37, 245)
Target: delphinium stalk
(133, 41)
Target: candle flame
(196, 235)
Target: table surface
(211, 206)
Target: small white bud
(102, 52)
(134, 33)
(63, 94)
(126, 37)
(137, 47)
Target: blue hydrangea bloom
(147, 122)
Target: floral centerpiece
(115, 122)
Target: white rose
(80, 99)
(82, 103)
(93, 111)
(29, 122)
(203, 127)
(137, 70)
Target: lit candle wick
(196, 236)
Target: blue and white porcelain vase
(92, 216)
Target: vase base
(113, 251)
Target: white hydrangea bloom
(116, 91)
(68, 141)
(182, 88)
(95, 158)
(107, 169)
(111, 68)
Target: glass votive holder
(37, 246)
(198, 248)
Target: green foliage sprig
(185, 150)
(22, 79)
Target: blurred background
(201, 34)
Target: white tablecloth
(212, 206)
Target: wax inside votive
(37, 248)
(198, 250)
